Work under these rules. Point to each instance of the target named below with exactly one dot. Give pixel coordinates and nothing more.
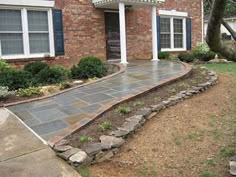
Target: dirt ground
(194, 138)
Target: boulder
(109, 142)
(79, 157)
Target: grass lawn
(223, 68)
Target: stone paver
(47, 117)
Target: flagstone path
(49, 116)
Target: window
(11, 39)
(172, 33)
(26, 33)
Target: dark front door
(112, 35)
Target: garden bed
(22, 90)
(115, 117)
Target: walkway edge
(66, 132)
(121, 67)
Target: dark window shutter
(159, 33)
(58, 32)
(189, 33)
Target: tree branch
(213, 38)
(228, 27)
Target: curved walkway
(49, 117)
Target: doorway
(112, 28)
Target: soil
(117, 119)
(194, 138)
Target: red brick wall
(84, 30)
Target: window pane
(11, 44)
(165, 41)
(178, 41)
(10, 20)
(37, 20)
(39, 43)
(165, 25)
(178, 26)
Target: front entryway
(112, 35)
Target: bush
(88, 67)
(203, 52)
(35, 67)
(4, 65)
(15, 79)
(186, 57)
(4, 92)
(27, 92)
(51, 75)
(163, 55)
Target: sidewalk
(22, 154)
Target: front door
(112, 35)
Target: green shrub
(4, 92)
(186, 57)
(88, 67)
(15, 79)
(4, 65)
(27, 92)
(163, 55)
(203, 52)
(35, 67)
(51, 75)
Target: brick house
(64, 31)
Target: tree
(213, 38)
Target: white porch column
(122, 33)
(154, 34)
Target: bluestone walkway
(49, 116)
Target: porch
(120, 7)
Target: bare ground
(194, 138)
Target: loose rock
(62, 148)
(109, 142)
(79, 157)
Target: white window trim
(26, 35)
(175, 15)
(33, 3)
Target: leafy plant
(183, 84)
(35, 67)
(4, 92)
(84, 171)
(172, 91)
(85, 139)
(51, 75)
(227, 152)
(65, 85)
(163, 55)
(208, 174)
(124, 110)
(203, 52)
(105, 126)
(88, 67)
(15, 79)
(138, 103)
(4, 65)
(186, 57)
(27, 92)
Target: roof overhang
(32, 3)
(114, 4)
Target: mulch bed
(155, 96)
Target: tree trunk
(213, 38)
